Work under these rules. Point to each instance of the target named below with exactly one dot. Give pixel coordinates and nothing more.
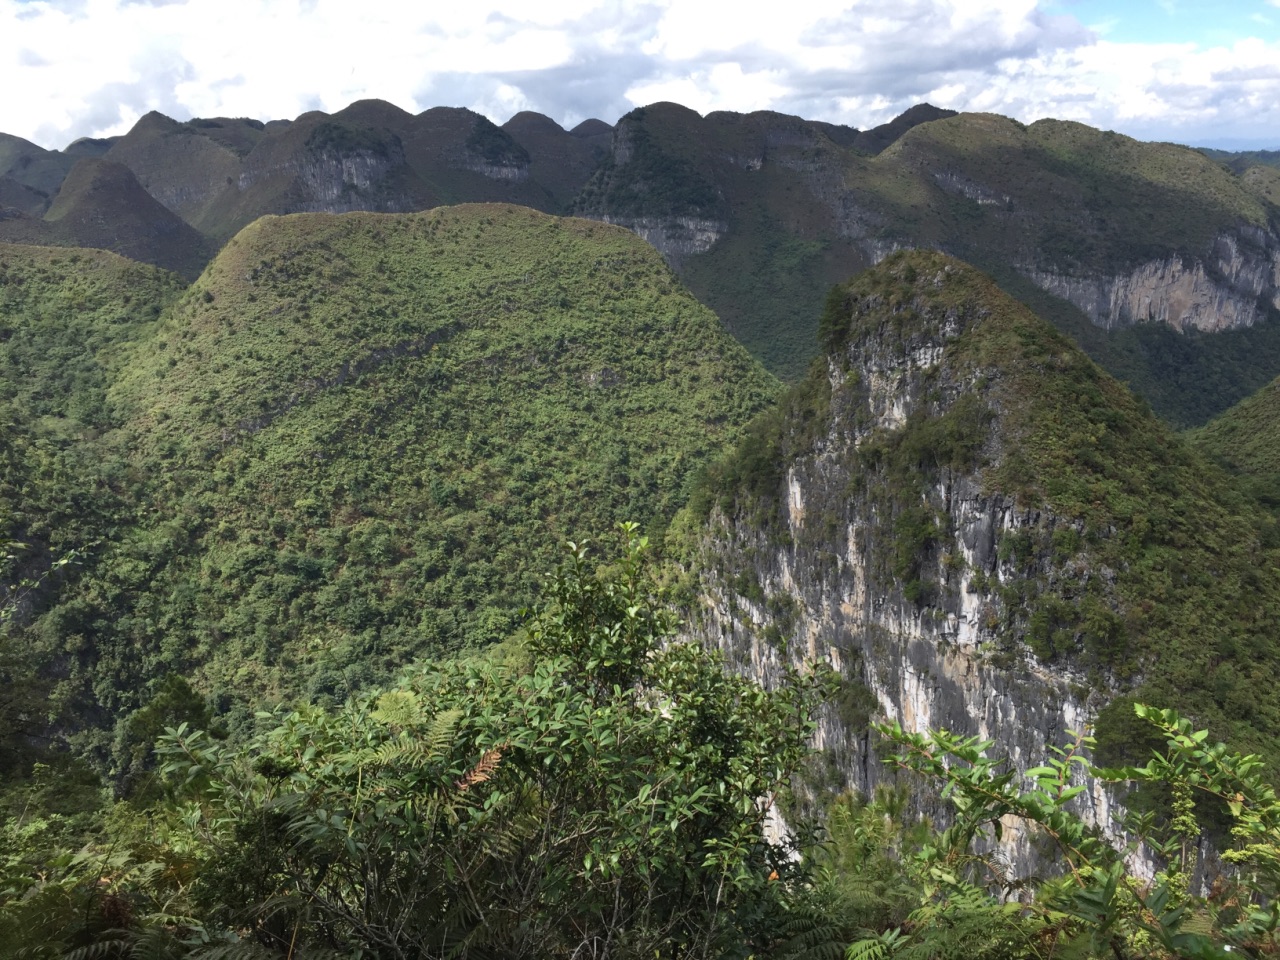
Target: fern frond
(237, 950)
(102, 948)
(154, 943)
(810, 933)
(875, 948)
(439, 734)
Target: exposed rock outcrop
(931, 518)
(1226, 289)
(676, 238)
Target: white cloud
(92, 67)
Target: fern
(811, 934)
(883, 947)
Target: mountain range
(1159, 260)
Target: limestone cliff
(676, 238)
(1230, 286)
(944, 513)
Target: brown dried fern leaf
(482, 771)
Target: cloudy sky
(1192, 71)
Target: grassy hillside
(1147, 570)
(358, 439)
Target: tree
(604, 796)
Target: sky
(1189, 71)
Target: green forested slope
(1246, 440)
(799, 211)
(758, 213)
(1065, 196)
(67, 317)
(357, 439)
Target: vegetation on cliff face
(1142, 568)
(353, 440)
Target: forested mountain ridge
(353, 426)
(353, 443)
(1158, 260)
(357, 439)
(1131, 248)
(1246, 441)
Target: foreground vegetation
(603, 791)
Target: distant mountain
(748, 210)
(222, 174)
(1161, 262)
(101, 204)
(1246, 441)
(562, 161)
(1241, 160)
(761, 212)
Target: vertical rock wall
(817, 574)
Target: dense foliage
(334, 451)
(603, 793)
(1092, 897)
(1244, 440)
(1187, 377)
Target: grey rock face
(676, 238)
(1224, 290)
(812, 583)
(333, 182)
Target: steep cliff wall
(676, 238)
(965, 518)
(1227, 288)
